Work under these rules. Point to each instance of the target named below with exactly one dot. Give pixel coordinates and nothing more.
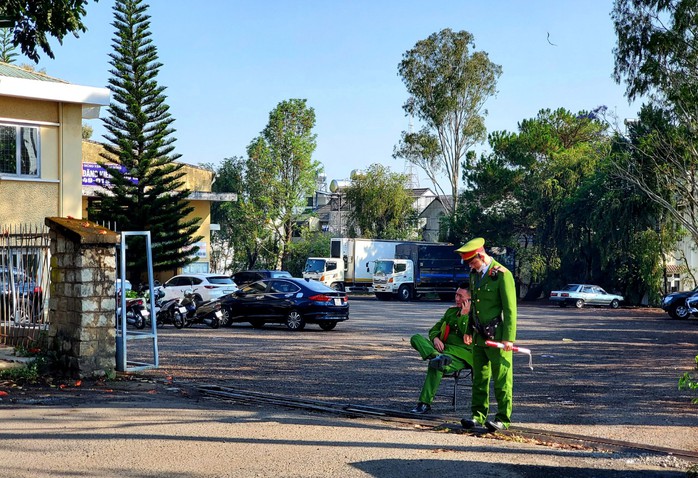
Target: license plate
(145, 313)
(182, 310)
(219, 314)
(337, 301)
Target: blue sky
(227, 64)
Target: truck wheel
(405, 293)
(338, 286)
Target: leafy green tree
(7, 49)
(380, 205)
(34, 21)
(145, 190)
(245, 241)
(448, 84)
(312, 244)
(281, 171)
(657, 55)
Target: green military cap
(471, 248)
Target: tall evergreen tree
(145, 191)
(7, 49)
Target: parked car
(580, 295)
(675, 303)
(291, 301)
(247, 277)
(205, 286)
(21, 297)
(126, 283)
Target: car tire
(227, 320)
(295, 321)
(679, 311)
(579, 303)
(404, 293)
(615, 304)
(329, 325)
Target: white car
(205, 286)
(580, 295)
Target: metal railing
(24, 283)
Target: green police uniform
(454, 347)
(493, 295)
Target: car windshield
(571, 287)
(314, 265)
(221, 280)
(383, 267)
(277, 274)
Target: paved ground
(611, 374)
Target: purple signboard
(94, 175)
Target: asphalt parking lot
(613, 373)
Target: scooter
(169, 311)
(208, 313)
(136, 312)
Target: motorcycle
(169, 311)
(136, 312)
(208, 313)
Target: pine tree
(145, 190)
(7, 49)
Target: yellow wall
(57, 191)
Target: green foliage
(657, 48)
(246, 240)
(35, 20)
(7, 49)
(448, 84)
(311, 244)
(689, 382)
(280, 172)
(146, 193)
(551, 193)
(381, 207)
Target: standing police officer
(493, 318)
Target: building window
(19, 150)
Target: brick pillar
(82, 330)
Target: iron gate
(24, 283)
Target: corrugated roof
(12, 71)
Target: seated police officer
(445, 349)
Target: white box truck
(351, 261)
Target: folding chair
(466, 372)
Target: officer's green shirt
(493, 296)
(458, 324)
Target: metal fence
(24, 284)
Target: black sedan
(289, 301)
(675, 304)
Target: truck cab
(393, 277)
(328, 270)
